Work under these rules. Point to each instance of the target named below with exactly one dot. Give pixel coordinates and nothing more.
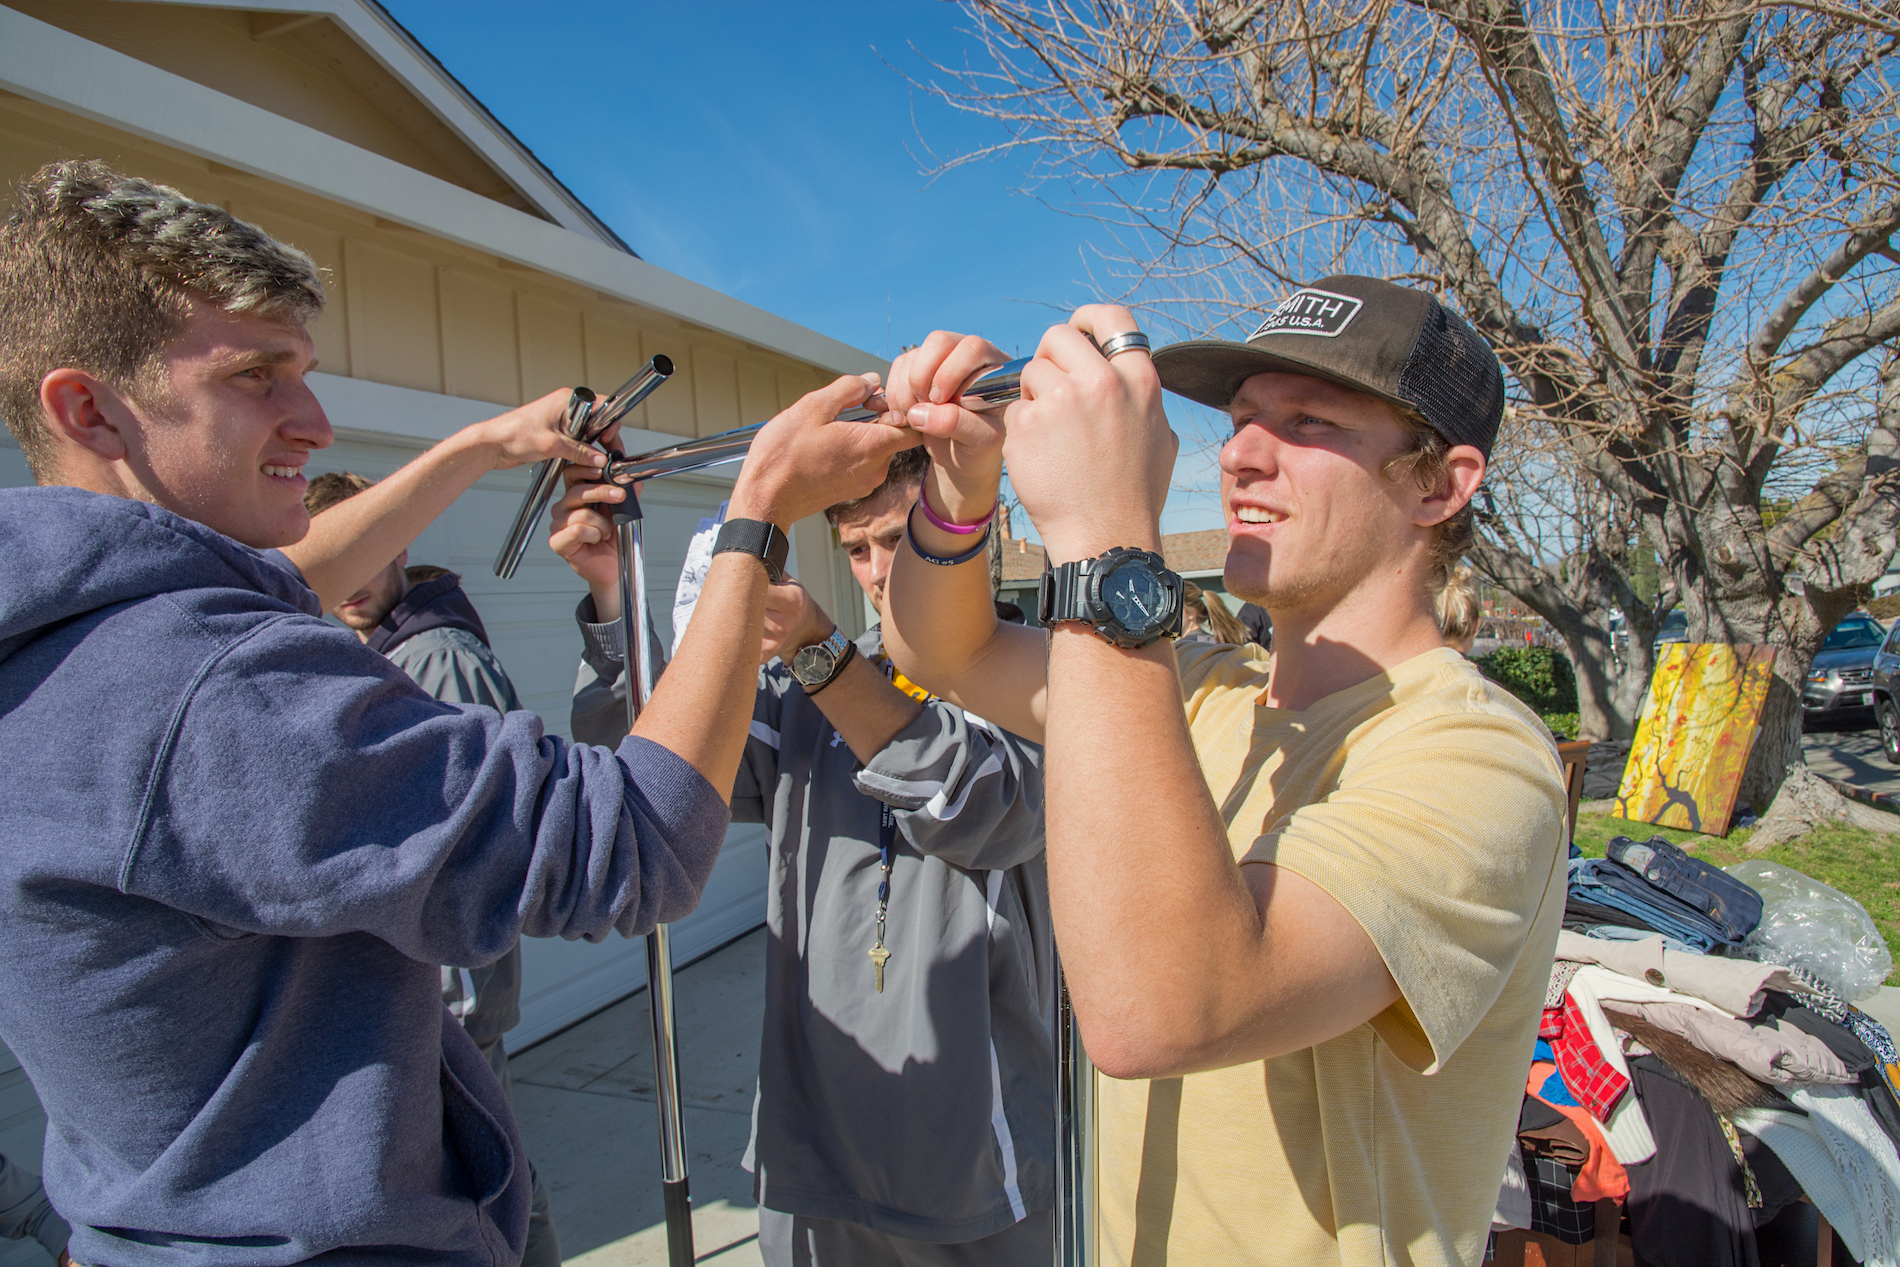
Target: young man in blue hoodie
(235, 842)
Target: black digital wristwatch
(1129, 597)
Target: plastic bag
(1806, 924)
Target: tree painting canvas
(1693, 741)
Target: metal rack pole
(638, 658)
(1075, 1137)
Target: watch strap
(1062, 592)
(762, 540)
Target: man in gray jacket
(25, 1211)
(905, 1105)
(420, 619)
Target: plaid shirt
(1553, 1211)
(1587, 1074)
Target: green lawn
(1863, 864)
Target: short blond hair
(332, 487)
(97, 271)
(1423, 458)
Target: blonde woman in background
(1204, 618)
(1458, 610)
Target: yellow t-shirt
(1430, 804)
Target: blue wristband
(982, 544)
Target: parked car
(1887, 694)
(1840, 688)
(1674, 628)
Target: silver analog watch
(817, 665)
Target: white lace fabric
(1843, 1161)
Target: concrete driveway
(1852, 756)
(584, 1102)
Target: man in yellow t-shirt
(1307, 921)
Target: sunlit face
(870, 536)
(1310, 513)
(365, 609)
(225, 439)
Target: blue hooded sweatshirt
(234, 845)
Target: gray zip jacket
(454, 666)
(925, 1111)
(25, 1211)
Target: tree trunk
(1634, 670)
(1805, 802)
(1776, 752)
(1609, 687)
(1590, 659)
(1578, 608)
(1596, 700)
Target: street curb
(1853, 792)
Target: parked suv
(1840, 686)
(1674, 628)
(1887, 694)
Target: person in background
(25, 1211)
(1204, 618)
(1259, 626)
(420, 618)
(905, 1107)
(1458, 610)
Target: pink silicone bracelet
(938, 521)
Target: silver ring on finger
(1127, 341)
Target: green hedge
(1562, 725)
(1540, 676)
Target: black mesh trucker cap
(1398, 344)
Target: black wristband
(763, 541)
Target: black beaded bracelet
(982, 544)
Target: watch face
(1134, 595)
(813, 663)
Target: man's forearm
(701, 708)
(940, 627)
(863, 706)
(1148, 902)
(355, 539)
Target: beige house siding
(415, 311)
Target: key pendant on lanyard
(886, 848)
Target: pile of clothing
(1687, 1094)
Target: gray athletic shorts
(792, 1240)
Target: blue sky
(777, 153)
